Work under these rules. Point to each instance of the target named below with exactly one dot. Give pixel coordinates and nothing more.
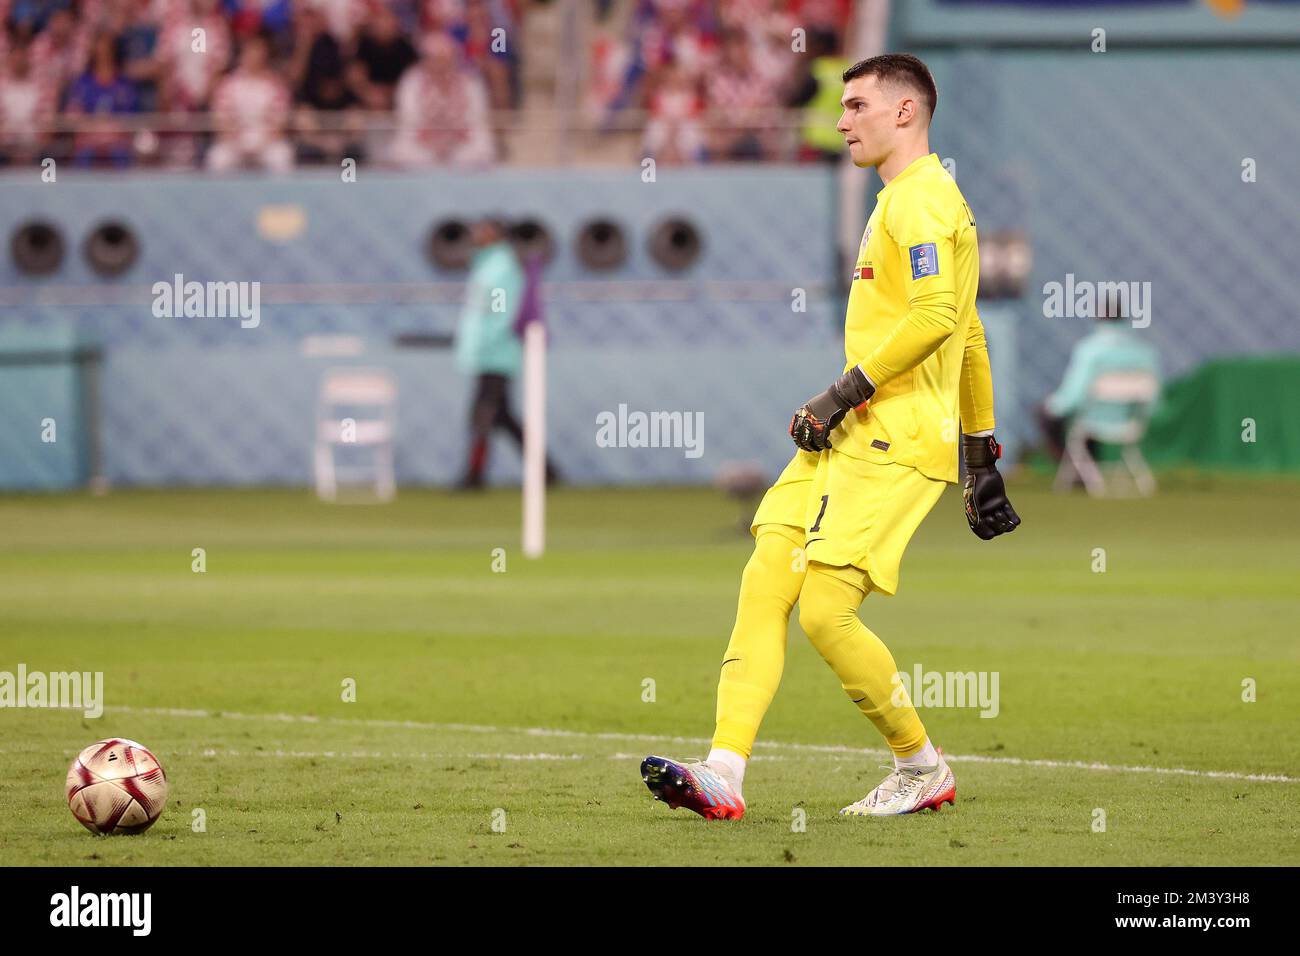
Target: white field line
(221, 752)
(828, 749)
(374, 754)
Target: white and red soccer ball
(116, 786)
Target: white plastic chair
(356, 408)
(1136, 392)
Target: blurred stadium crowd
(713, 77)
(272, 84)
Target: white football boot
(908, 790)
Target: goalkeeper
(876, 450)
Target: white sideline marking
(344, 754)
(377, 754)
(659, 738)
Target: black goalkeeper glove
(812, 424)
(988, 512)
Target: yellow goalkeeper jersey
(912, 326)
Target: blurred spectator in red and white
(758, 17)
(675, 131)
(193, 51)
(99, 94)
(740, 104)
(60, 51)
(27, 104)
(770, 28)
(660, 33)
(770, 36)
(384, 55)
(251, 109)
(442, 111)
(680, 32)
(609, 63)
(438, 16)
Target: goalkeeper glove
(988, 512)
(812, 424)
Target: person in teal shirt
(488, 344)
(1113, 346)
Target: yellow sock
(755, 655)
(828, 613)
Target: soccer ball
(116, 786)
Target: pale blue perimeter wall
(199, 401)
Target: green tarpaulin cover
(1239, 413)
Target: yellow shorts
(853, 512)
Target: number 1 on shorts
(817, 525)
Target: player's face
(867, 121)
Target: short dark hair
(898, 68)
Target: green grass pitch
(500, 717)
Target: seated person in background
(187, 76)
(1112, 346)
(324, 115)
(61, 51)
(98, 95)
(251, 108)
(675, 131)
(442, 111)
(26, 109)
(385, 55)
(137, 50)
(738, 97)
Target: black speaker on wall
(111, 248)
(530, 237)
(37, 247)
(449, 245)
(675, 243)
(601, 244)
